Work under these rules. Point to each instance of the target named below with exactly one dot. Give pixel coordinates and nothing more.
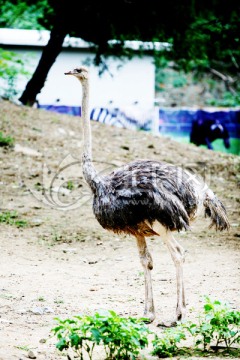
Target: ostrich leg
(146, 261)
(177, 254)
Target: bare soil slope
(63, 263)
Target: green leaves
(167, 344)
(122, 338)
(228, 100)
(62, 344)
(12, 68)
(22, 14)
(6, 140)
(11, 218)
(217, 325)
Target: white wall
(132, 81)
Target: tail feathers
(216, 211)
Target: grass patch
(23, 347)
(6, 140)
(12, 218)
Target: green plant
(179, 80)
(23, 347)
(58, 301)
(23, 14)
(70, 185)
(219, 324)
(12, 68)
(38, 186)
(167, 344)
(121, 338)
(6, 140)
(11, 218)
(228, 99)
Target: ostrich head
(81, 73)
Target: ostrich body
(146, 198)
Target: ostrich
(145, 198)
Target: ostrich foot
(167, 324)
(148, 317)
(179, 319)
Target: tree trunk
(49, 55)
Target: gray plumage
(146, 198)
(146, 190)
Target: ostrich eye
(78, 70)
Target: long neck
(89, 172)
(87, 134)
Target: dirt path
(63, 263)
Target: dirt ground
(63, 263)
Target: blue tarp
(70, 110)
(170, 120)
(180, 120)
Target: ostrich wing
(145, 190)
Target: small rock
(37, 311)
(48, 310)
(5, 321)
(62, 131)
(61, 190)
(21, 311)
(41, 311)
(36, 222)
(91, 262)
(31, 355)
(70, 250)
(26, 150)
(42, 341)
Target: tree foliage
(25, 14)
(204, 35)
(12, 68)
(201, 32)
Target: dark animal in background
(205, 131)
(145, 198)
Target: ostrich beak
(68, 73)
